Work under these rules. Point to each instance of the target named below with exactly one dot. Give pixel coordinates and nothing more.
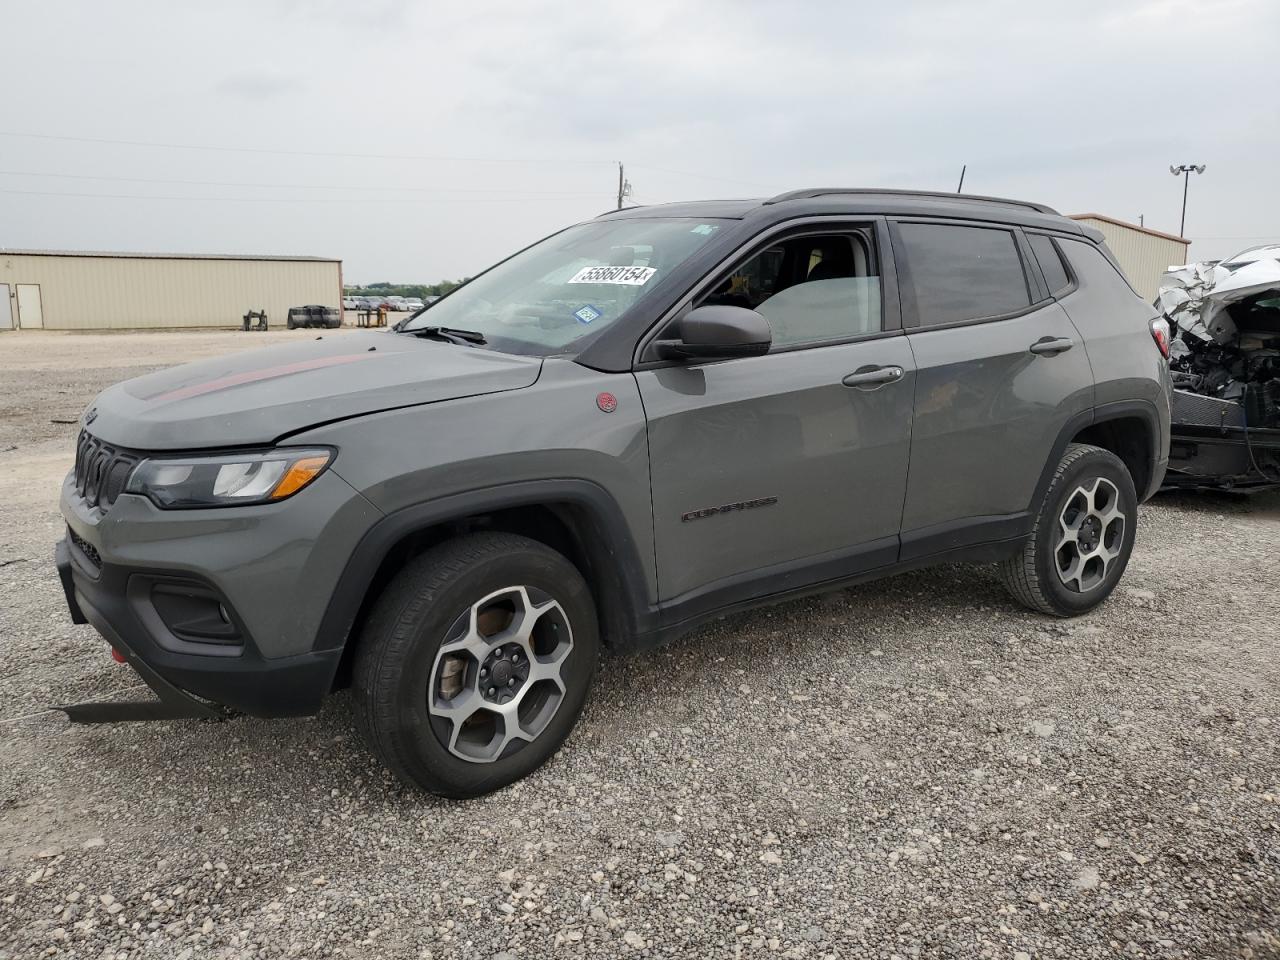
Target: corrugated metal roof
(6, 251)
(1130, 226)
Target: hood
(1195, 297)
(260, 396)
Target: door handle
(1052, 346)
(872, 376)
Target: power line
(704, 176)
(145, 196)
(217, 148)
(295, 186)
(270, 151)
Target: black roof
(864, 201)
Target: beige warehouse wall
(1144, 256)
(96, 293)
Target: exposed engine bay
(1224, 320)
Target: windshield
(569, 286)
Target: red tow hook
(117, 656)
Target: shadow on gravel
(1264, 504)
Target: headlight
(228, 481)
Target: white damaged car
(1224, 319)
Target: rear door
(1001, 371)
(776, 471)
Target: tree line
(419, 290)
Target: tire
(1076, 555)
(414, 701)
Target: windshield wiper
(451, 334)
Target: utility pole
(624, 188)
(1185, 170)
(963, 168)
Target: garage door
(6, 310)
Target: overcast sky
(421, 141)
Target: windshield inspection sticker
(704, 229)
(588, 313)
(627, 276)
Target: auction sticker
(588, 313)
(627, 276)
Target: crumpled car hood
(1195, 297)
(259, 396)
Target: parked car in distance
(411, 303)
(638, 425)
(350, 303)
(313, 315)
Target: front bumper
(129, 571)
(172, 703)
(248, 683)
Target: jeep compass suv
(644, 421)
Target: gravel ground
(910, 768)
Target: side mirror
(718, 333)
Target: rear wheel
(475, 663)
(1083, 535)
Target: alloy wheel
(497, 679)
(1091, 531)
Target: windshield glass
(569, 286)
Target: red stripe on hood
(252, 376)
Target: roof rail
(830, 191)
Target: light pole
(1185, 170)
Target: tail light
(1160, 334)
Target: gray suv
(640, 423)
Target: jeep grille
(101, 470)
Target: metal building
(1145, 254)
(70, 290)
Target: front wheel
(475, 663)
(1083, 535)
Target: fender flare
(624, 611)
(1144, 410)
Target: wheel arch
(1129, 428)
(1131, 431)
(577, 518)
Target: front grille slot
(87, 548)
(101, 470)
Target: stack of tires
(314, 315)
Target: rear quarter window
(1055, 272)
(958, 273)
(1095, 268)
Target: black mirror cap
(719, 332)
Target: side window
(963, 273)
(1046, 251)
(810, 288)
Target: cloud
(1083, 109)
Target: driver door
(777, 471)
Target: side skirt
(684, 614)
